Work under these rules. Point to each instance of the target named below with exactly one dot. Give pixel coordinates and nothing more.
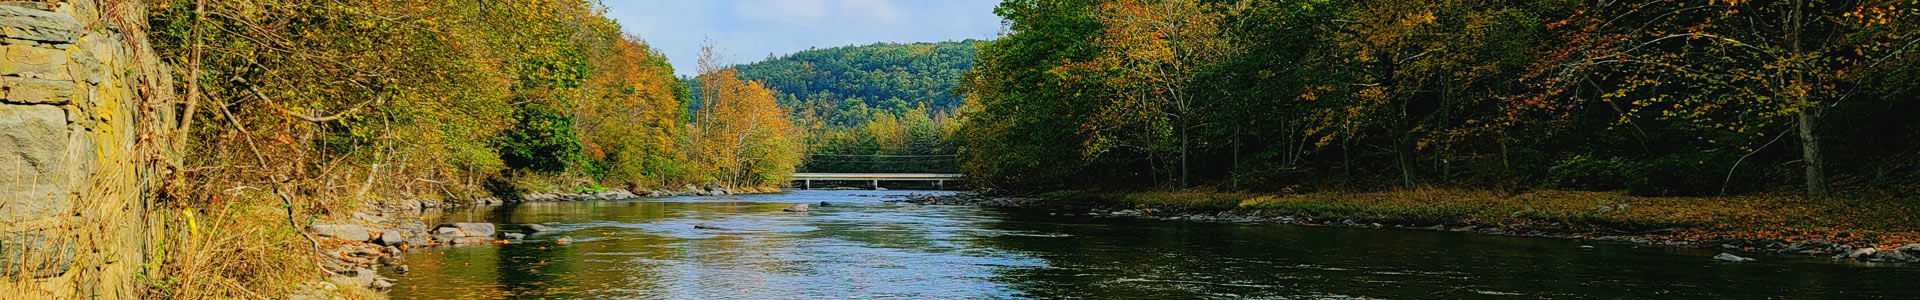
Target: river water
(863, 248)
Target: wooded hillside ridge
(882, 107)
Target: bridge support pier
(876, 184)
(808, 186)
(940, 184)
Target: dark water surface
(862, 248)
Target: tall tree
(1025, 106)
(741, 133)
(1157, 49)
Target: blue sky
(748, 30)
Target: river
(863, 248)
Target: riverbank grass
(1768, 217)
(239, 246)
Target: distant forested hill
(875, 108)
(845, 85)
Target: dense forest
(323, 108)
(882, 107)
(849, 83)
(1652, 97)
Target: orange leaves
(1871, 15)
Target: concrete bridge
(939, 180)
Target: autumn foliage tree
(633, 128)
(1155, 51)
(1655, 97)
(1741, 69)
(739, 132)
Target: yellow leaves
(1418, 18)
(193, 225)
(1374, 93)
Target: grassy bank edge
(1785, 218)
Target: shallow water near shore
(861, 247)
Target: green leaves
(541, 140)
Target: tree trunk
(1346, 156)
(1403, 148)
(1810, 155)
(1233, 172)
(1402, 156)
(1809, 113)
(1183, 154)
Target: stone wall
(72, 113)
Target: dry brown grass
(240, 249)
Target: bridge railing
(939, 180)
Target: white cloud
(792, 12)
(875, 12)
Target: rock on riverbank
(353, 249)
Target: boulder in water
(1725, 257)
(447, 234)
(1913, 249)
(1907, 253)
(471, 229)
(537, 228)
(421, 240)
(380, 284)
(391, 237)
(1863, 253)
(1809, 245)
(797, 208)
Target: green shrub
(542, 140)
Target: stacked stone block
(71, 206)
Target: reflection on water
(860, 247)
